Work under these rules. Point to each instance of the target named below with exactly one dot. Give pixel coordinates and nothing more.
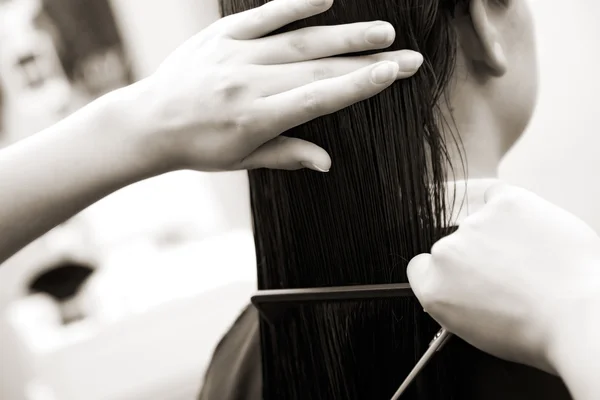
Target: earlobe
(498, 59)
(487, 35)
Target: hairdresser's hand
(222, 99)
(519, 279)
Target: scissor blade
(439, 340)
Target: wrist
(133, 110)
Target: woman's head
(494, 86)
(382, 203)
(491, 94)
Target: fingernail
(380, 34)
(314, 167)
(410, 62)
(384, 72)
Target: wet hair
(382, 203)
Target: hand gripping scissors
(272, 302)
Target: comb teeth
(271, 304)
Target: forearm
(51, 176)
(576, 356)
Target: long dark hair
(382, 203)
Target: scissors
(436, 344)
(271, 303)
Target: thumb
(288, 153)
(496, 190)
(419, 272)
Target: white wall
(559, 157)
(152, 29)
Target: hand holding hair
(219, 102)
(520, 279)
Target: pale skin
(520, 279)
(221, 101)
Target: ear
(483, 43)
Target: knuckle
(443, 249)
(312, 103)
(298, 44)
(228, 51)
(349, 43)
(244, 123)
(321, 73)
(235, 122)
(229, 88)
(219, 51)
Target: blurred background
(127, 300)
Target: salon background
(118, 303)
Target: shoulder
(235, 372)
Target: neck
(477, 136)
(477, 153)
(481, 146)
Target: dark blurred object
(63, 282)
(89, 43)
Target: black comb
(271, 303)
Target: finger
(282, 78)
(321, 41)
(496, 190)
(288, 153)
(419, 272)
(265, 19)
(308, 102)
